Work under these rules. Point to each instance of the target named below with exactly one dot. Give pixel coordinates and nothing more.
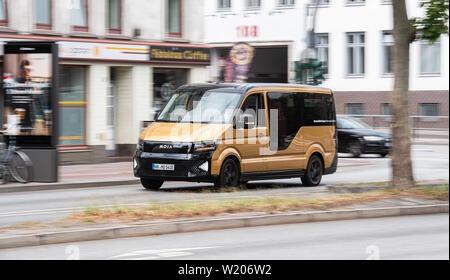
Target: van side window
(254, 106)
(318, 110)
(294, 110)
(286, 106)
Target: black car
(356, 137)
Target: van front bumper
(186, 166)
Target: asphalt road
(430, 163)
(407, 237)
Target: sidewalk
(82, 176)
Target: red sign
(247, 31)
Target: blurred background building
(120, 60)
(353, 38)
(109, 82)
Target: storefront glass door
(72, 106)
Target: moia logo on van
(166, 147)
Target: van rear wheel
(314, 172)
(151, 184)
(229, 174)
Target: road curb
(63, 186)
(363, 189)
(149, 229)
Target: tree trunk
(402, 172)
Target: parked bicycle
(14, 163)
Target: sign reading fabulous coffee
(180, 54)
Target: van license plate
(163, 167)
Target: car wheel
(314, 172)
(229, 174)
(355, 148)
(384, 154)
(151, 184)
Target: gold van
(229, 134)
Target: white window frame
(286, 3)
(321, 47)
(224, 5)
(385, 44)
(429, 118)
(356, 57)
(422, 58)
(253, 4)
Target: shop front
(108, 89)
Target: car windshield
(350, 123)
(199, 106)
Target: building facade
(119, 62)
(353, 39)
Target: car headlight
(205, 146)
(140, 145)
(373, 138)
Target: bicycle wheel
(20, 167)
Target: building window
(284, 3)
(3, 13)
(253, 4)
(224, 4)
(80, 15)
(321, 2)
(174, 18)
(388, 52)
(360, 2)
(386, 111)
(114, 16)
(72, 106)
(356, 109)
(430, 58)
(322, 49)
(355, 54)
(429, 112)
(42, 14)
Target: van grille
(167, 148)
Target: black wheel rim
(19, 169)
(316, 171)
(230, 174)
(355, 148)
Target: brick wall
(373, 101)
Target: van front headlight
(140, 145)
(205, 146)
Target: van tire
(229, 174)
(151, 184)
(314, 172)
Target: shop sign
(81, 50)
(239, 62)
(180, 54)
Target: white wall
(147, 15)
(289, 25)
(371, 18)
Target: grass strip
(155, 211)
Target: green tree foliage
(435, 21)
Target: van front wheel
(229, 174)
(151, 184)
(314, 172)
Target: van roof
(245, 87)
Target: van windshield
(212, 106)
